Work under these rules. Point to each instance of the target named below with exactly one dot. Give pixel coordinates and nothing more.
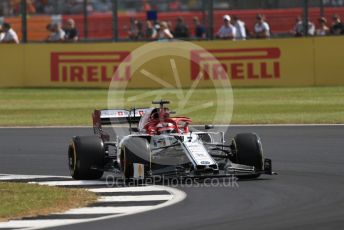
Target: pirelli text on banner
(89, 66)
(238, 64)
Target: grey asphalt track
(307, 193)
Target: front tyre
(134, 150)
(248, 151)
(84, 155)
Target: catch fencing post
(24, 20)
(305, 16)
(321, 8)
(210, 19)
(85, 19)
(115, 20)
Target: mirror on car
(134, 129)
(208, 126)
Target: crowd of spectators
(161, 30)
(68, 33)
(233, 28)
(8, 35)
(322, 28)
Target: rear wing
(117, 116)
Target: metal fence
(112, 20)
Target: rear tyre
(249, 151)
(84, 154)
(134, 150)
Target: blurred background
(113, 20)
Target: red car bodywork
(154, 122)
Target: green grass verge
(31, 107)
(26, 200)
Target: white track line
(26, 177)
(178, 196)
(174, 197)
(128, 189)
(107, 210)
(135, 198)
(71, 183)
(32, 224)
